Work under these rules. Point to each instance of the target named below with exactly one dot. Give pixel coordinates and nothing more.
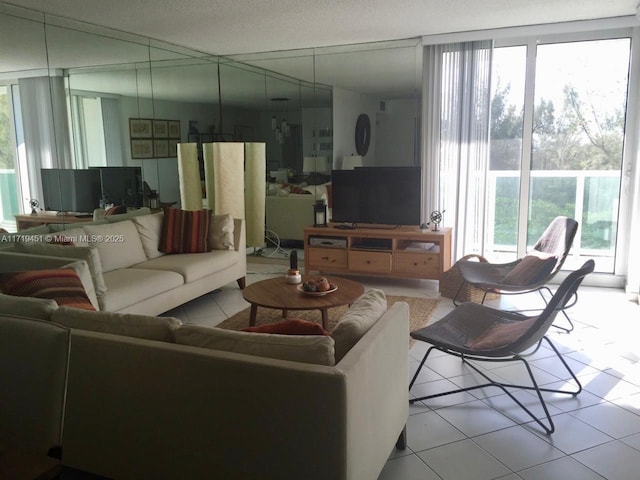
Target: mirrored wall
(87, 98)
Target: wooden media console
(403, 251)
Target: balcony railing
(589, 196)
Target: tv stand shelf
(405, 251)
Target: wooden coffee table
(275, 293)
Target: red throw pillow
(118, 209)
(295, 189)
(293, 326)
(185, 231)
(62, 285)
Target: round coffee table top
(276, 293)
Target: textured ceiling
(240, 26)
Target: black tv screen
(345, 198)
(121, 185)
(377, 195)
(67, 190)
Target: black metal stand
(503, 386)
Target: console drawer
(366, 261)
(417, 264)
(327, 258)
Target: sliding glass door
(557, 136)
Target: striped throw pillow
(62, 285)
(185, 231)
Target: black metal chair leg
(415, 375)
(568, 329)
(401, 443)
(455, 304)
(548, 429)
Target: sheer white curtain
(46, 128)
(456, 93)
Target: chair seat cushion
(531, 270)
(500, 334)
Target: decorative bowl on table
(317, 287)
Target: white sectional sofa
(127, 271)
(288, 213)
(143, 402)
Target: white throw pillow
(150, 230)
(221, 232)
(84, 274)
(30, 307)
(357, 321)
(316, 349)
(118, 243)
(139, 326)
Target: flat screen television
(67, 190)
(376, 195)
(121, 185)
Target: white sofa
(148, 408)
(127, 272)
(288, 213)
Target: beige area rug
(420, 310)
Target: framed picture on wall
(174, 128)
(140, 128)
(173, 147)
(160, 129)
(161, 148)
(141, 148)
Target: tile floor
(483, 434)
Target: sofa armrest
(376, 374)
(239, 236)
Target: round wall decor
(363, 134)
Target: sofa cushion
(150, 229)
(40, 308)
(128, 286)
(118, 243)
(360, 317)
(316, 349)
(62, 285)
(127, 216)
(291, 326)
(138, 326)
(88, 254)
(185, 231)
(221, 232)
(192, 266)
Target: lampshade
(316, 165)
(349, 162)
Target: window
(9, 186)
(556, 145)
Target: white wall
(397, 133)
(347, 106)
